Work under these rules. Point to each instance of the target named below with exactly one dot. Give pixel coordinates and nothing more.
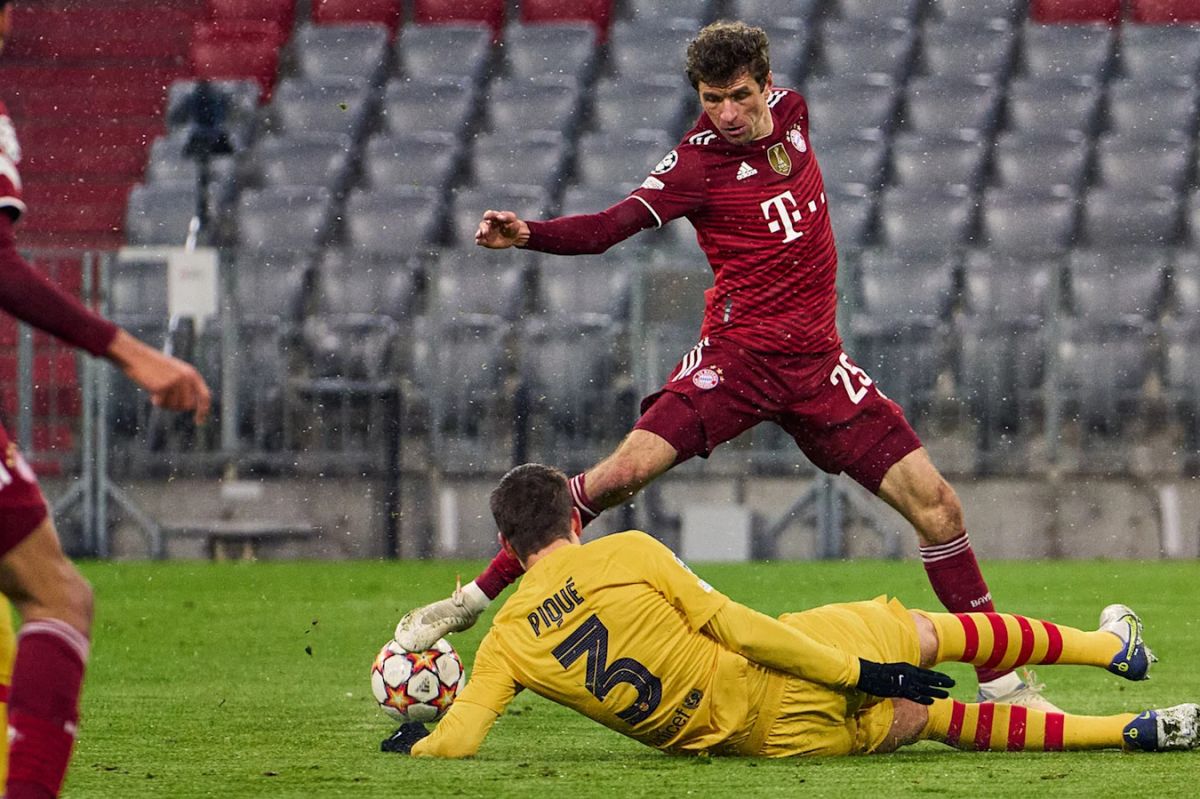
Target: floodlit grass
(249, 680)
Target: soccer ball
(416, 686)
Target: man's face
(739, 110)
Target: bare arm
(173, 384)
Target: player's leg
(8, 653)
(55, 604)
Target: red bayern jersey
(10, 156)
(761, 218)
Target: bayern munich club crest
(797, 139)
(707, 379)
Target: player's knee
(76, 602)
(908, 722)
(940, 514)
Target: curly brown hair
(532, 507)
(722, 51)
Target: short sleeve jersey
(612, 630)
(760, 215)
(10, 156)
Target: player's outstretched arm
(499, 230)
(172, 383)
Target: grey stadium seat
(899, 283)
(1113, 217)
(356, 347)
(964, 47)
(478, 281)
(348, 281)
(947, 103)
(358, 50)
(852, 214)
(284, 217)
(1111, 283)
(517, 104)
(399, 221)
(1152, 106)
(272, 282)
(864, 46)
(1014, 220)
(160, 214)
(1010, 287)
(240, 106)
(1158, 52)
(587, 285)
(656, 45)
(759, 12)
(1181, 376)
(1039, 162)
(559, 48)
(432, 104)
(303, 159)
(1104, 369)
(938, 160)
(908, 10)
(327, 105)
(1185, 282)
(1133, 162)
(469, 203)
(590, 199)
(534, 157)
(1072, 50)
(421, 52)
(1052, 105)
(427, 159)
(850, 106)
(903, 355)
(168, 164)
(929, 217)
(981, 10)
(848, 160)
(264, 346)
(620, 159)
(649, 102)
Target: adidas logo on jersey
(774, 97)
(745, 171)
(703, 137)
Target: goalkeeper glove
(902, 680)
(403, 739)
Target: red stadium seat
(386, 12)
(1077, 11)
(217, 60)
(281, 12)
(1165, 12)
(240, 30)
(598, 12)
(489, 12)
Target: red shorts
(22, 506)
(838, 417)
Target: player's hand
(172, 383)
(500, 229)
(403, 739)
(903, 680)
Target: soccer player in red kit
(54, 600)
(769, 350)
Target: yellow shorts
(816, 720)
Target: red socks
(954, 574)
(44, 707)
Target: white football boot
(1161, 730)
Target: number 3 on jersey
(852, 378)
(591, 640)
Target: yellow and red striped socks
(1005, 641)
(989, 727)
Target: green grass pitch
(250, 680)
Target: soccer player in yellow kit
(621, 631)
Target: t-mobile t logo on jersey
(784, 206)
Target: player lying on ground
(621, 631)
(746, 176)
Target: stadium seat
(303, 159)
(533, 157)
(908, 10)
(791, 49)
(1082, 50)
(159, 215)
(349, 348)
(167, 164)
(139, 289)
(487, 12)
(904, 356)
(652, 103)
(264, 346)
(283, 218)
(592, 199)
(279, 11)
(1010, 287)
(358, 50)
(1181, 379)
(1160, 52)
(848, 160)
(479, 281)
(1015, 220)
(1040, 162)
(938, 105)
(656, 46)
(241, 31)
(1053, 105)
(852, 214)
(351, 281)
(419, 105)
(894, 283)
(239, 99)
(861, 47)
(962, 47)
(1185, 283)
(932, 217)
(1117, 282)
(337, 105)
(589, 286)
(1165, 11)
(550, 51)
(1057, 11)
(1114, 217)
(930, 159)
(850, 107)
(1104, 368)
(759, 12)
(517, 105)
(469, 203)
(1134, 162)
(420, 53)
(982, 11)
(230, 60)
(596, 12)
(272, 282)
(394, 221)
(428, 159)
(620, 159)
(383, 12)
(1152, 106)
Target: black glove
(403, 739)
(903, 680)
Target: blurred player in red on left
(53, 599)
